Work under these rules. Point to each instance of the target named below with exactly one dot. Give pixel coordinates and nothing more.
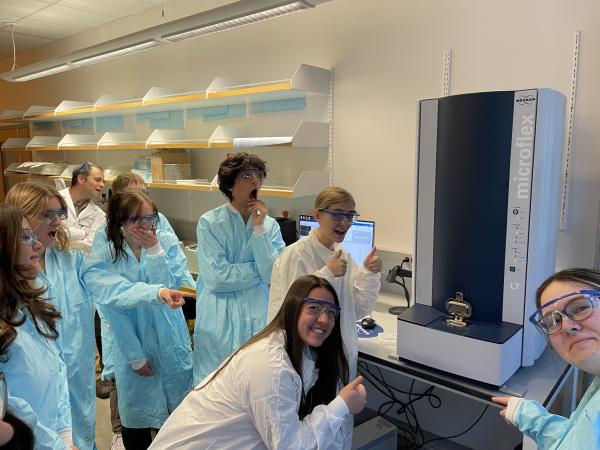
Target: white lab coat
(88, 220)
(253, 404)
(357, 290)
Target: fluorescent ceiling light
(231, 15)
(237, 22)
(110, 54)
(43, 73)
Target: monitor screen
(359, 239)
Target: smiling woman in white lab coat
(321, 254)
(279, 390)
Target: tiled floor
(103, 426)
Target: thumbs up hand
(355, 395)
(337, 264)
(372, 262)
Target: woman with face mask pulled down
(568, 315)
(35, 373)
(75, 281)
(279, 390)
(152, 355)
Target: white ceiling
(39, 22)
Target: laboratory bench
(543, 381)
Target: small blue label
(362, 333)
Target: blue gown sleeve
(64, 404)
(106, 287)
(45, 438)
(217, 273)
(170, 266)
(122, 324)
(536, 422)
(99, 241)
(266, 247)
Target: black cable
(456, 435)
(413, 436)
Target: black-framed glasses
(3, 395)
(579, 308)
(247, 174)
(28, 237)
(341, 216)
(51, 214)
(150, 221)
(316, 307)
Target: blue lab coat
(105, 331)
(74, 281)
(553, 432)
(153, 333)
(36, 378)
(235, 263)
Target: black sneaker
(102, 389)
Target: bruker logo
(526, 100)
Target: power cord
(456, 435)
(413, 435)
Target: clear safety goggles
(316, 307)
(29, 237)
(51, 214)
(340, 216)
(579, 308)
(247, 174)
(148, 221)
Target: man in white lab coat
(83, 215)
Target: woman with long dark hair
(279, 390)
(34, 371)
(152, 356)
(74, 282)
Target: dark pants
(98, 338)
(115, 419)
(136, 438)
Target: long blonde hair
(32, 199)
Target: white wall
(387, 54)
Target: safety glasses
(149, 221)
(316, 307)
(579, 308)
(339, 216)
(28, 237)
(247, 174)
(50, 214)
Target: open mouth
(341, 233)
(254, 194)
(52, 234)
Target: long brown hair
(331, 359)
(16, 285)
(32, 199)
(120, 207)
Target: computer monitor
(359, 239)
